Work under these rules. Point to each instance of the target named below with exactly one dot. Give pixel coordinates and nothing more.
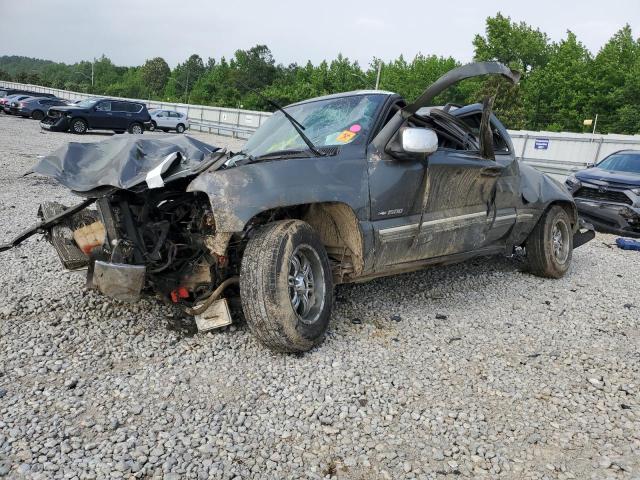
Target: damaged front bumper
(55, 124)
(617, 219)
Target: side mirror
(591, 165)
(419, 140)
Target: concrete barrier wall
(555, 153)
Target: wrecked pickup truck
(336, 189)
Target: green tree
(557, 94)
(184, 77)
(155, 74)
(515, 44)
(616, 84)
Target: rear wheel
(550, 245)
(136, 129)
(180, 128)
(37, 114)
(79, 126)
(286, 286)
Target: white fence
(558, 154)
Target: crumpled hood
(126, 161)
(598, 176)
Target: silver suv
(166, 120)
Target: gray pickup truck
(336, 189)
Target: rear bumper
(618, 219)
(59, 124)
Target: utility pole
(186, 85)
(595, 122)
(378, 76)
(92, 65)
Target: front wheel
(79, 126)
(550, 245)
(37, 114)
(136, 129)
(286, 286)
(180, 128)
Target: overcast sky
(131, 31)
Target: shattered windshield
(337, 121)
(621, 162)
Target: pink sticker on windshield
(355, 128)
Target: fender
(540, 190)
(239, 193)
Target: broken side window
(499, 143)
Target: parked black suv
(98, 114)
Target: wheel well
(338, 228)
(570, 208)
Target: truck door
(439, 207)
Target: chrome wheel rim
(306, 283)
(78, 127)
(180, 129)
(136, 129)
(152, 127)
(560, 241)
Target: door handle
(491, 171)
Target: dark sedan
(8, 100)
(608, 194)
(35, 108)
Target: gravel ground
(475, 370)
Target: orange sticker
(346, 136)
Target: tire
(270, 283)
(78, 126)
(550, 244)
(37, 114)
(136, 129)
(180, 128)
(153, 126)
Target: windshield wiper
(242, 153)
(296, 124)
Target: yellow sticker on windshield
(346, 136)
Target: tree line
(562, 84)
